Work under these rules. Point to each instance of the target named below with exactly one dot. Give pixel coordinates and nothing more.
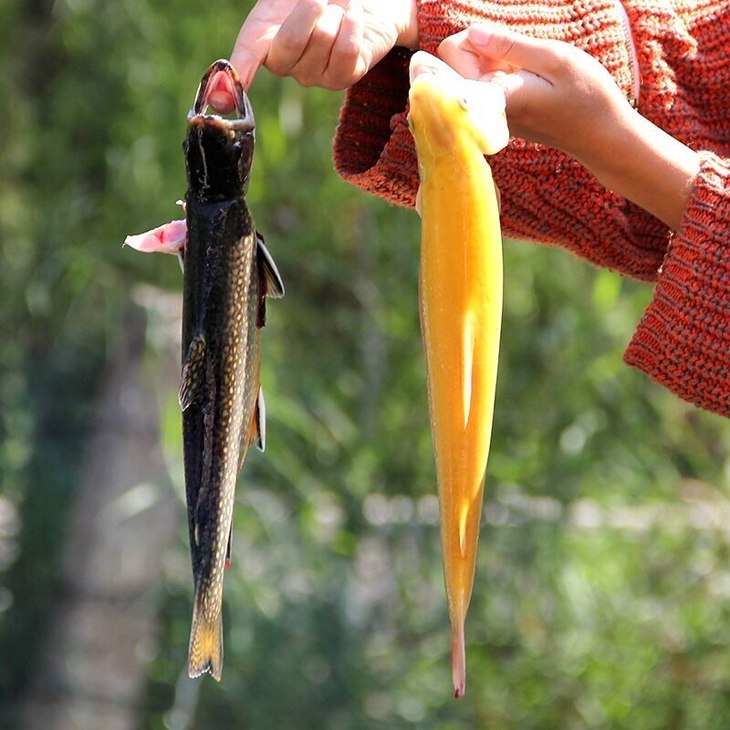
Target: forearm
(645, 165)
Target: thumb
(510, 51)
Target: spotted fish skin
(227, 275)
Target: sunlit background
(602, 595)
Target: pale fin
(463, 519)
(273, 285)
(257, 432)
(255, 435)
(167, 238)
(193, 373)
(458, 658)
(206, 644)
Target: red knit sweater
(682, 54)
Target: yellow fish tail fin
(458, 658)
(206, 644)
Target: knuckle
(503, 45)
(560, 57)
(304, 78)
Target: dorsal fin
(193, 373)
(273, 285)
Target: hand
(559, 96)
(320, 43)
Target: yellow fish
(455, 122)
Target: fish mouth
(222, 77)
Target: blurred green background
(602, 595)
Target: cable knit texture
(683, 340)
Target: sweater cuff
(683, 339)
(373, 147)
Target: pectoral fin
(193, 373)
(273, 285)
(167, 238)
(468, 337)
(256, 433)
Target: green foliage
(601, 598)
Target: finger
(311, 67)
(510, 49)
(252, 47)
(294, 35)
(346, 65)
(522, 90)
(220, 93)
(458, 51)
(461, 56)
(247, 60)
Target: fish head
(219, 150)
(445, 109)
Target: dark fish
(228, 274)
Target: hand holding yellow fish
(455, 122)
(560, 96)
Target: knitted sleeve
(546, 196)
(683, 339)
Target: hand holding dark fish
(228, 273)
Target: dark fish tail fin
(206, 643)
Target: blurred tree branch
(104, 618)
